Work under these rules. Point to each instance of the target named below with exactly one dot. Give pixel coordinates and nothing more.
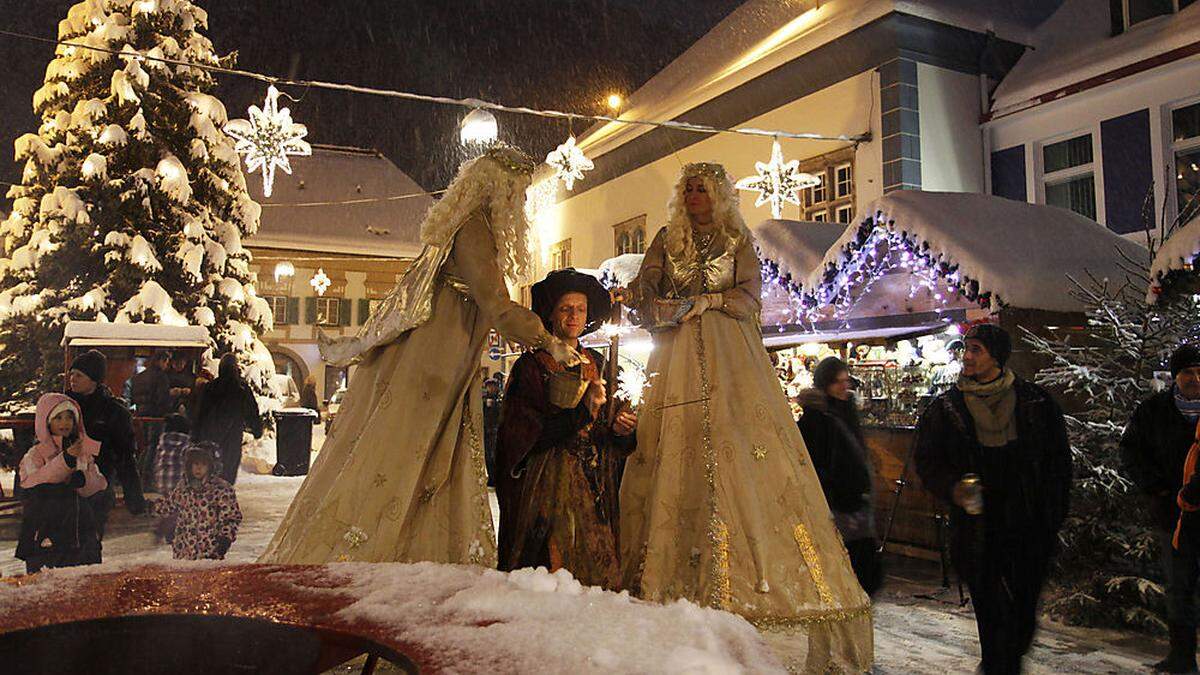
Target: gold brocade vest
(710, 270)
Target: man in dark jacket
(108, 421)
(1153, 449)
(1008, 436)
(151, 394)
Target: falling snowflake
(778, 181)
(320, 281)
(569, 163)
(268, 138)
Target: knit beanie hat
(92, 363)
(827, 371)
(1186, 356)
(995, 340)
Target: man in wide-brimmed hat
(559, 459)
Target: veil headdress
(724, 197)
(496, 180)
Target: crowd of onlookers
(191, 426)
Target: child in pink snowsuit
(58, 474)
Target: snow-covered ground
(912, 635)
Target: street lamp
(479, 126)
(615, 102)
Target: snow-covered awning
(795, 247)
(1174, 258)
(623, 268)
(104, 334)
(988, 248)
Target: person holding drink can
(995, 448)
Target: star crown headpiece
(708, 169)
(511, 157)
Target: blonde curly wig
(498, 182)
(724, 198)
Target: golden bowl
(566, 389)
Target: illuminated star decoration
(268, 138)
(778, 182)
(320, 282)
(569, 163)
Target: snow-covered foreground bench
(441, 617)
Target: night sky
(562, 54)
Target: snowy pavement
(912, 635)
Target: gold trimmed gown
(719, 503)
(401, 476)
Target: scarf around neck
(993, 407)
(1187, 407)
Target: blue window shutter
(1128, 170)
(1008, 173)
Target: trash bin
(293, 440)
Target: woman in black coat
(840, 457)
(226, 408)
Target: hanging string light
(267, 138)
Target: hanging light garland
(878, 249)
(569, 162)
(267, 138)
(778, 181)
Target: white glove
(562, 352)
(701, 304)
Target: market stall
(893, 293)
(1173, 269)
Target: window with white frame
(843, 213)
(560, 255)
(818, 216)
(843, 181)
(1068, 175)
(328, 311)
(279, 304)
(1133, 12)
(1185, 148)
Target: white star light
(268, 138)
(778, 181)
(569, 163)
(320, 282)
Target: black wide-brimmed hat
(558, 283)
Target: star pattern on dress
(380, 479)
(759, 452)
(778, 181)
(569, 163)
(267, 138)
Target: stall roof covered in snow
(98, 333)
(796, 246)
(1020, 253)
(1075, 44)
(1176, 254)
(623, 268)
(342, 200)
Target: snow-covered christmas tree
(1108, 570)
(133, 205)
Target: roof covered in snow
(93, 333)
(623, 268)
(1020, 253)
(342, 200)
(762, 35)
(797, 247)
(1177, 254)
(1075, 44)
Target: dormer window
(1129, 13)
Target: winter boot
(1182, 657)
